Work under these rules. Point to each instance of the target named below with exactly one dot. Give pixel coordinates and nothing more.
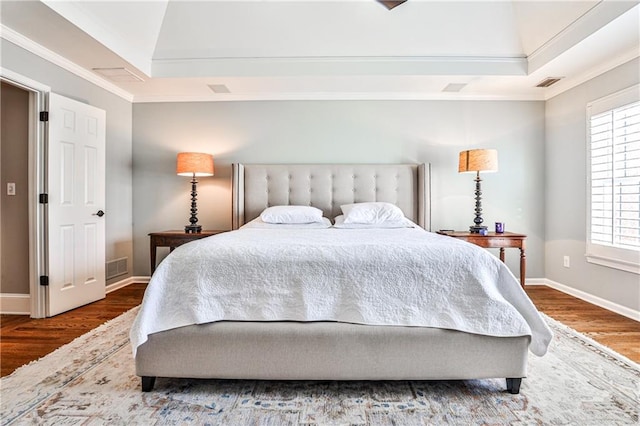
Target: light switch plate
(11, 188)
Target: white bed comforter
(406, 277)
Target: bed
(200, 334)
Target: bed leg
(147, 383)
(513, 385)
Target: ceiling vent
(118, 75)
(219, 88)
(549, 81)
(454, 87)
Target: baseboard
(125, 282)
(535, 281)
(15, 304)
(20, 304)
(594, 300)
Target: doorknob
(99, 214)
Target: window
(614, 177)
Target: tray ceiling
(349, 49)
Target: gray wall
(343, 131)
(566, 191)
(14, 158)
(540, 188)
(118, 134)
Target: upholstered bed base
(328, 351)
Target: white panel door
(76, 188)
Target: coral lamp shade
(478, 160)
(194, 164)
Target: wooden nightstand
(173, 239)
(494, 240)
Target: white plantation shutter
(614, 160)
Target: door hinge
(44, 280)
(44, 198)
(44, 115)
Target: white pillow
(258, 223)
(375, 212)
(402, 223)
(291, 214)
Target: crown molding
(325, 96)
(94, 28)
(568, 84)
(513, 65)
(48, 55)
(600, 15)
(338, 66)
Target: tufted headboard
(328, 186)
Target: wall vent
(549, 81)
(117, 267)
(219, 88)
(454, 87)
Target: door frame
(38, 95)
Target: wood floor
(619, 333)
(23, 339)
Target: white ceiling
(322, 49)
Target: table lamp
(194, 164)
(478, 160)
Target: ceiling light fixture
(390, 4)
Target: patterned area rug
(91, 381)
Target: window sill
(623, 265)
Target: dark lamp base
(193, 229)
(476, 229)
